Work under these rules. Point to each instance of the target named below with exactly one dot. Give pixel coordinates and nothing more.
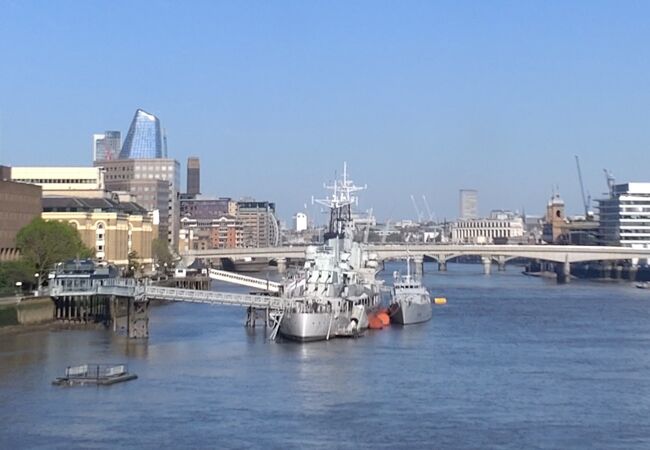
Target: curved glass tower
(144, 139)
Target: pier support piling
(487, 265)
(282, 265)
(442, 265)
(419, 265)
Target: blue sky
(419, 97)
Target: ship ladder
(276, 325)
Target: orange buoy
(374, 322)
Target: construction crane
(609, 176)
(585, 200)
(417, 210)
(426, 205)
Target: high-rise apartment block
(625, 216)
(155, 183)
(468, 204)
(107, 145)
(145, 138)
(261, 227)
(193, 176)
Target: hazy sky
(419, 97)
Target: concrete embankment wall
(32, 311)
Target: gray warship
(410, 301)
(337, 288)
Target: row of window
(57, 180)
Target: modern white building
(63, 181)
(301, 222)
(624, 217)
(501, 226)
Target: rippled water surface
(510, 362)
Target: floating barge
(97, 374)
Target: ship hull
(306, 327)
(409, 313)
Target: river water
(509, 362)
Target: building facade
(199, 207)
(144, 139)
(155, 184)
(500, 227)
(58, 181)
(624, 217)
(20, 203)
(107, 145)
(111, 228)
(301, 222)
(193, 176)
(205, 234)
(261, 227)
(468, 204)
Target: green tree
(133, 264)
(161, 253)
(45, 243)
(12, 272)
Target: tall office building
(145, 138)
(625, 216)
(193, 176)
(155, 183)
(468, 204)
(106, 146)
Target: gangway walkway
(215, 298)
(144, 292)
(244, 280)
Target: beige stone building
(113, 229)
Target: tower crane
(426, 205)
(585, 200)
(609, 176)
(417, 210)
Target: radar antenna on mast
(340, 203)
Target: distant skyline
(420, 98)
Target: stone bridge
(442, 253)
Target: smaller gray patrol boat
(410, 301)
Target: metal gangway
(245, 280)
(144, 291)
(215, 298)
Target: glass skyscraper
(144, 139)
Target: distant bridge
(442, 253)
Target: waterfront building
(61, 181)
(144, 139)
(20, 203)
(107, 145)
(499, 227)
(468, 204)
(261, 227)
(193, 176)
(624, 217)
(300, 222)
(155, 183)
(113, 229)
(204, 234)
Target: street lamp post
(38, 283)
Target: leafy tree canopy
(161, 253)
(45, 243)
